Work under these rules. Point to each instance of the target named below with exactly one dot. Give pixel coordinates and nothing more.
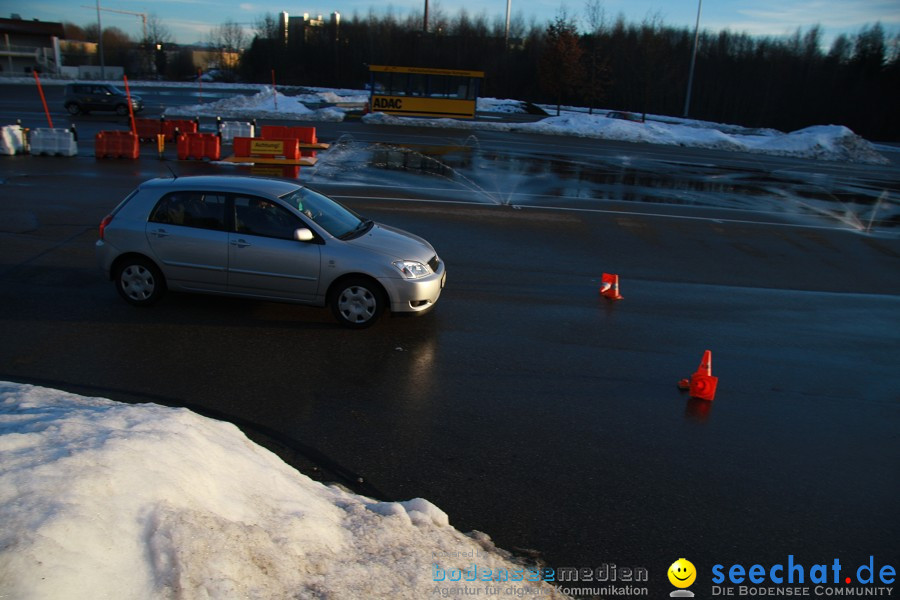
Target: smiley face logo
(682, 573)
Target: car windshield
(336, 219)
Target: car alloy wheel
(73, 109)
(358, 303)
(139, 282)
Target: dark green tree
(560, 70)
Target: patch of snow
(100, 499)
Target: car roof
(226, 183)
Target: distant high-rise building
(306, 28)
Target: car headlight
(412, 269)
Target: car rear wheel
(73, 108)
(357, 302)
(139, 281)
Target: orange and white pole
(130, 107)
(43, 99)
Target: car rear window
(191, 209)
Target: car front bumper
(415, 295)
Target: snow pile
(106, 500)
(500, 106)
(599, 126)
(335, 96)
(828, 142)
(268, 103)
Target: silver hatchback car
(268, 239)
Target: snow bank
(831, 142)
(828, 142)
(106, 500)
(265, 104)
(500, 106)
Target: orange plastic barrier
(306, 135)
(183, 126)
(199, 146)
(116, 144)
(247, 147)
(148, 129)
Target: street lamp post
(508, 6)
(100, 36)
(687, 100)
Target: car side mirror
(303, 235)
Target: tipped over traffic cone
(609, 287)
(703, 384)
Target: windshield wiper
(357, 231)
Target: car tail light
(106, 220)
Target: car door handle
(240, 243)
(160, 233)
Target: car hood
(394, 243)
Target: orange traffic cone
(609, 287)
(703, 384)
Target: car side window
(191, 209)
(258, 216)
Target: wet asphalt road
(525, 406)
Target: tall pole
(425, 21)
(508, 2)
(687, 100)
(8, 52)
(100, 36)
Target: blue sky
(190, 20)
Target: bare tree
(116, 43)
(74, 32)
(156, 36)
(227, 42)
(266, 27)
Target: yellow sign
(274, 147)
(422, 106)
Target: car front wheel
(122, 110)
(139, 281)
(357, 302)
